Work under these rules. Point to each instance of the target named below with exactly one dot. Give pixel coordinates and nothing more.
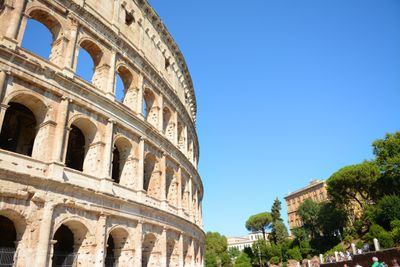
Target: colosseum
(89, 178)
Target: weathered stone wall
(138, 183)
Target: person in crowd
(394, 263)
(375, 262)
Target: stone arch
(127, 79)
(151, 176)
(118, 244)
(55, 29)
(23, 130)
(70, 240)
(150, 107)
(150, 254)
(18, 220)
(82, 151)
(168, 124)
(122, 157)
(99, 73)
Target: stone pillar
(181, 251)
(179, 191)
(185, 143)
(140, 172)
(3, 82)
(163, 249)
(163, 178)
(176, 140)
(161, 114)
(116, 15)
(42, 247)
(12, 21)
(60, 143)
(190, 198)
(69, 53)
(108, 148)
(138, 239)
(376, 244)
(139, 106)
(110, 88)
(101, 240)
(22, 28)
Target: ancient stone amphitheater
(89, 178)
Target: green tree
(259, 222)
(387, 210)
(294, 254)
(384, 237)
(233, 252)
(243, 260)
(279, 231)
(331, 219)
(216, 254)
(353, 183)
(387, 152)
(308, 212)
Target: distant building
(315, 191)
(244, 241)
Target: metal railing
(64, 259)
(7, 257)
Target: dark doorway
(63, 255)
(7, 241)
(110, 257)
(116, 173)
(76, 149)
(19, 130)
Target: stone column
(190, 198)
(116, 15)
(161, 114)
(60, 143)
(22, 28)
(138, 239)
(110, 88)
(163, 250)
(163, 178)
(108, 148)
(69, 53)
(185, 144)
(181, 251)
(42, 248)
(3, 82)
(176, 140)
(140, 172)
(139, 106)
(13, 15)
(179, 191)
(101, 240)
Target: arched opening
(116, 166)
(119, 89)
(110, 257)
(117, 243)
(149, 104)
(63, 253)
(42, 31)
(151, 183)
(123, 82)
(166, 120)
(172, 254)
(19, 129)
(8, 238)
(85, 66)
(148, 251)
(89, 58)
(76, 149)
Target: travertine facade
(315, 191)
(85, 179)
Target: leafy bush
(243, 260)
(294, 254)
(274, 260)
(388, 209)
(395, 226)
(376, 231)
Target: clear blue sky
(287, 91)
